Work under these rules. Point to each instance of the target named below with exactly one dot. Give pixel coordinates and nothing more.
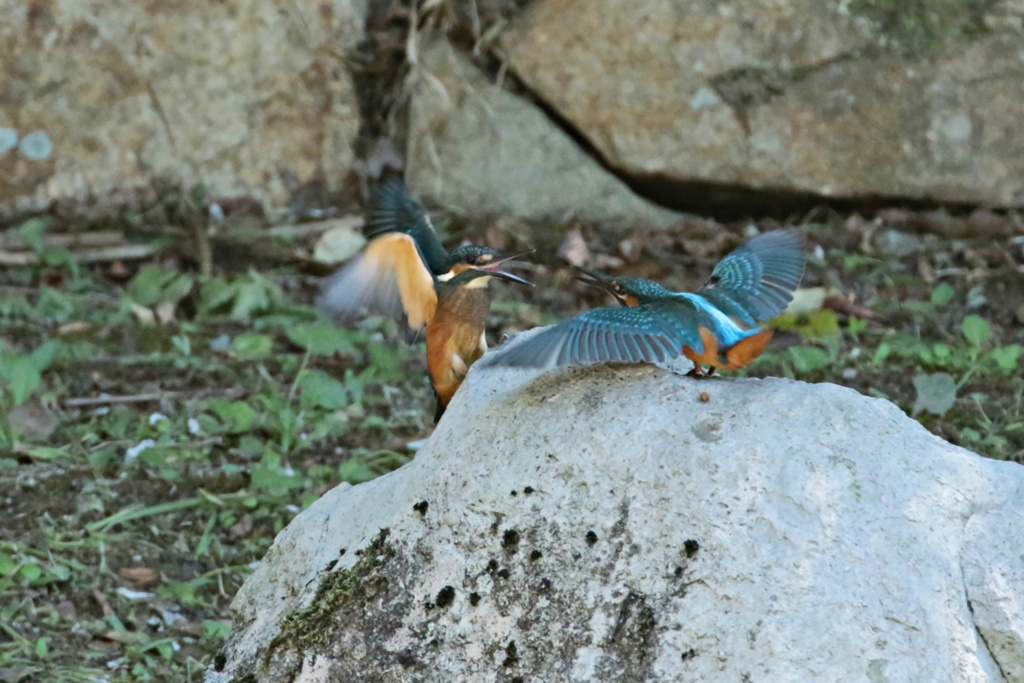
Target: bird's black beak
(494, 270)
(598, 280)
(594, 279)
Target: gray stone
(250, 98)
(607, 524)
(479, 149)
(848, 99)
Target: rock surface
(849, 99)
(605, 524)
(250, 98)
(480, 149)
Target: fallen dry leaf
(574, 250)
(841, 304)
(32, 419)
(144, 315)
(75, 327)
(165, 312)
(241, 528)
(340, 241)
(104, 604)
(139, 574)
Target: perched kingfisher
(456, 334)
(715, 326)
(395, 274)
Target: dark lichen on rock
(310, 629)
(510, 540)
(634, 636)
(511, 655)
(445, 597)
(913, 27)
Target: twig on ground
(86, 401)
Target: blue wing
(756, 281)
(650, 333)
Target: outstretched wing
(395, 210)
(756, 281)
(649, 333)
(388, 278)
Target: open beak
(593, 279)
(600, 281)
(493, 269)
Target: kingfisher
(406, 273)
(716, 326)
(395, 275)
(456, 336)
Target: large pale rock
(606, 524)
(479, 149)
(851, 99)
(249, 97)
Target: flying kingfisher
(395, 274)
(715, 326)
(406, 273)
(456, 334)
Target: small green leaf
(42, 647)
(147, 287)
(47, 453)
(943, 294)
(809, 358)
(217, 630)
(31, 232)
(354, 471)
(252, 345)
(7, 564)
(881, 353)
(320, 389)
(178, 288)
(976, 330)
(855, 325)
(321, 339)
(1006, 357)
(60, 572)
(24, 378)
(386, 362)
(32, 571)
(56, 257)
(252, 296)
(936, 393)
(274, 480)
(43, 356)
(216, 292)
(238, 414)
